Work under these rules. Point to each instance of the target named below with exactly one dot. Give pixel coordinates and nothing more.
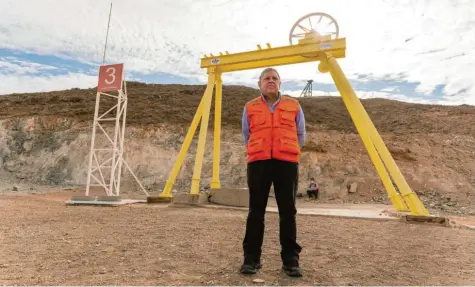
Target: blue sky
(51, 65)
(394, 52)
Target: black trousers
(312, 193)
(260, 176)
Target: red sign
(110, 78)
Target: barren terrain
(44, 143)
(44, 242)
(45, 138)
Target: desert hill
(45, 138)
(176, 105)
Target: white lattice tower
(106, 156)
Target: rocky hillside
(45, 138)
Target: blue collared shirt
(300, 123)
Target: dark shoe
(293, 271)
(248, 269)
(291, 268)
(250, 266)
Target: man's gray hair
(268, 70)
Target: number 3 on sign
(110, 78)
(110, 70)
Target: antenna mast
(107, 35)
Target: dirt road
(44, 242)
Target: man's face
(269, 83)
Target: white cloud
(16, 66)
(17, 83)
(17, 76)
(423, 41)
(389, 89)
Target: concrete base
(330, 210)
(204, 198)
(158, 199)
(101, 200)
(186, 199)
(428, 219)
(84, 198)
(108, 198)
(238, 197)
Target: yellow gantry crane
(313, 37)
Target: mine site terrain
(44, 145)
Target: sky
(420, 51)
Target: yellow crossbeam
(284, 55)
(276, 62)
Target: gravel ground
(45, 242)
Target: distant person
(313, 189)
(273, 128)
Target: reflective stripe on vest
(273, 135)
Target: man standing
(273, 127)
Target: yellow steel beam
(276, 62)
(167, 191)
(363, 121)
(215, 183)
(208, 95)
(278, 54)
(362, 127)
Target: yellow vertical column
(195, 183)
(215, 183)
(362, 119)
(166, 193)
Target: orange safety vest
(273, 135)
